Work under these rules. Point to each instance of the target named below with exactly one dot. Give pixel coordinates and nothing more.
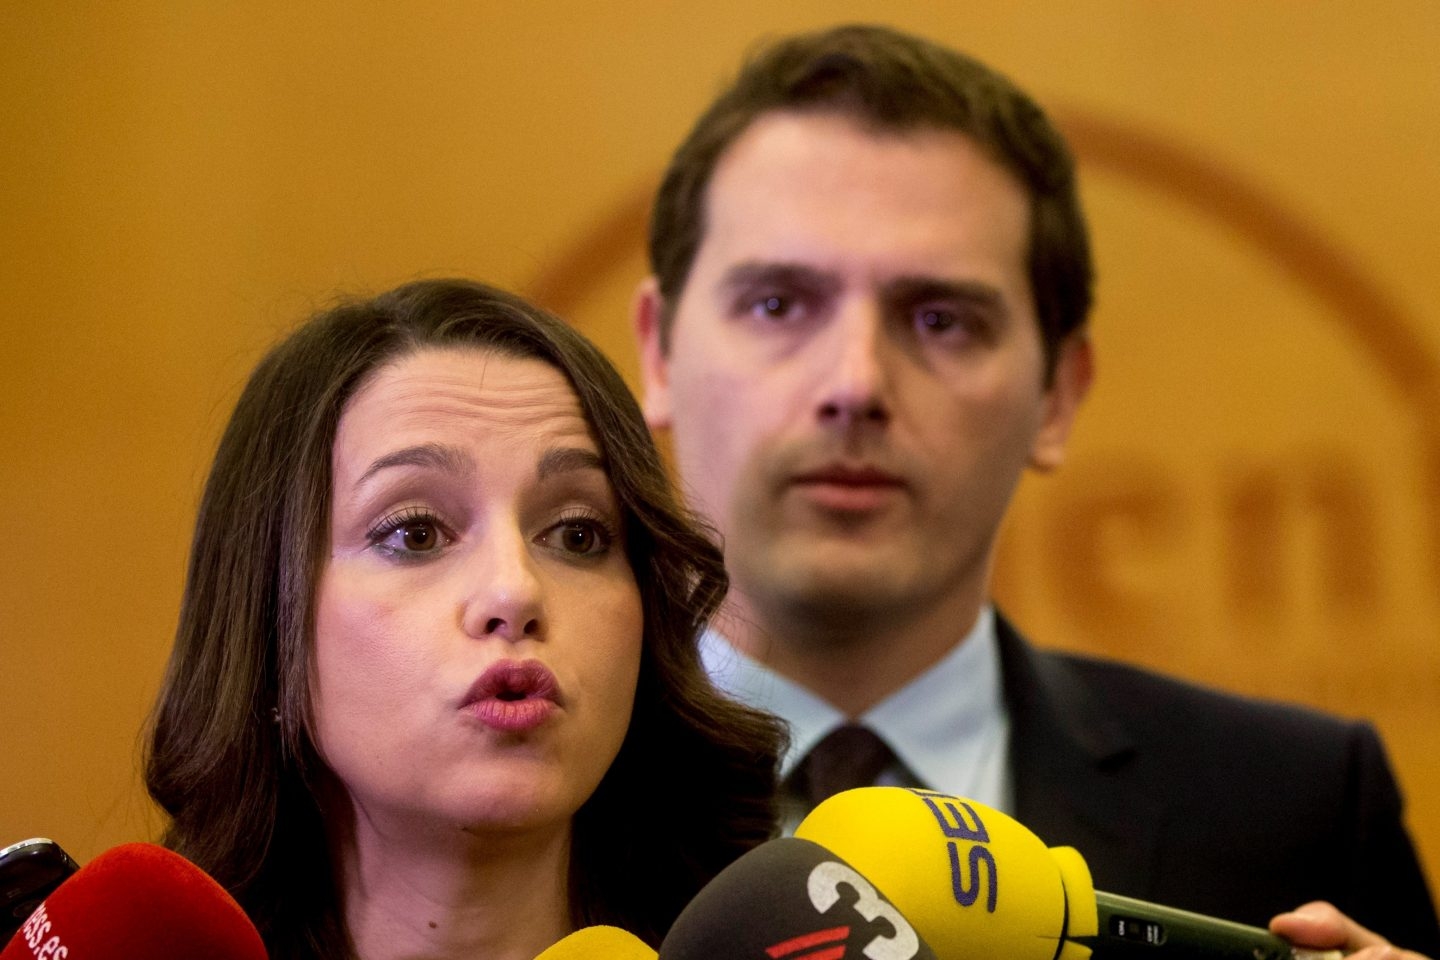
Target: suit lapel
(1073, 763)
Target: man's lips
(848, 488)
(513, 695)
(849, 477)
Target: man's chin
(834, 592)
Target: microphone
(599, 942)
(29, 872)
(975, 882)
(791, 899)
(138, 901)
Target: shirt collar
(943, 725)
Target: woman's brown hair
(230, 756)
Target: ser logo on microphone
(966, 869)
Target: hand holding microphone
(137, 901)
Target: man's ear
(646, 311)
(1074, 371)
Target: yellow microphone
(599, 942)
(974, 882)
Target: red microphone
(137, 902)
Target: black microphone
(792, 899)
(29, 872)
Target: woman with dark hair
(435, 688)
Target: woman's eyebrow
(436, 456)
(565, 459)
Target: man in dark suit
(867, 318)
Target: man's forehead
(792, 124)
(823, 189)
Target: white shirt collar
(948, 726)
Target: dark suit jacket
(1231, 807)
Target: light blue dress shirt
(948, 727)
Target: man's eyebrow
(565, 459)
(752, 273)
(982, 294)
(435, 456)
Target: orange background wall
(1254, 495)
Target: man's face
(855, 375)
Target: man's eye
(950, 325)
(774, 306)
(936, 320)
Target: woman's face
(478, 627)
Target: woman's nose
(504, 593)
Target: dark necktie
(848, 756)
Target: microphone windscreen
(598, 943)
(974, 881)
(791, 899)
(137, 902)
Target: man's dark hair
(890, 82)
(691, 788)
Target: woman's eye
(419, 536)
(408, 535)
(580, 537)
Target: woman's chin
(516, 811)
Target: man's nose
(504, 595)
(854, 380)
